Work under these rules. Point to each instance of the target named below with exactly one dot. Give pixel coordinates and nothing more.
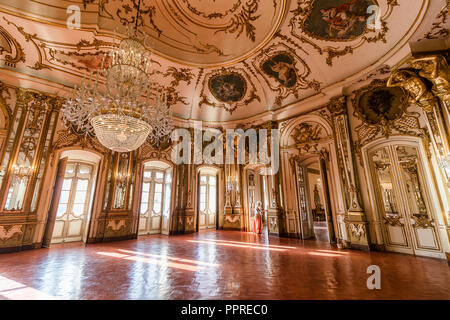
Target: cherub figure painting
(339, 19)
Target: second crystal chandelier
(128, 108)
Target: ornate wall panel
(24, 161)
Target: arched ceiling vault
(224, 61)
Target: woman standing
(257, 220)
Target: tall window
(155, 199)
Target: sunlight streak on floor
(14, 290)
(252, 243)
(209, 264)
(151, 261)
(236, 245)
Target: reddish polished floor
(216, 265)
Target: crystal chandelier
(126, 108)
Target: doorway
(257, 192)
(76, 197)
(207, 213)
(156, 198)
(313, 200)
(403, 201)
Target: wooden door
(155, 201)
(305, 215)
(74, 202)
(403, 201)
(207, 201)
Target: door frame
(94, 158)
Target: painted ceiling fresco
(222, 60)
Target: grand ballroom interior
(225, 149)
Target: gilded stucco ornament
(383, 112)
(194, 31)
(308, 136)
(228, 89)
(8, 231)
(424, 98)
(10, 48)
(414, 85)
(67, 138)
(422, 222)
(342, 22)
(357, 230)
(38, 44)
(436, 69)
(439, 29)
(284, 71)
(393, 221)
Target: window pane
(212, 180)
(84, 169)
(64, 198)
(169, 177)
(144, 208)
(157, 203)
(61, 209)
(212, 199)
(147, 174)
(167, 199)
(78, 209)
(80, 197)
(202, 178)
(67, 184)
(146, 187)
(202, 198)
(157, 197)
(144, 196)
(70, 168)
(159, 175)
(158, 187)
(82, 185)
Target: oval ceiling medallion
(337, 20)
(228, 87)
(205, 33)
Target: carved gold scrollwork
(393, 221)
(358, 231)
(422, 222)
(439, 29)
(383, 111)
(435, 69)
(10, 45)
